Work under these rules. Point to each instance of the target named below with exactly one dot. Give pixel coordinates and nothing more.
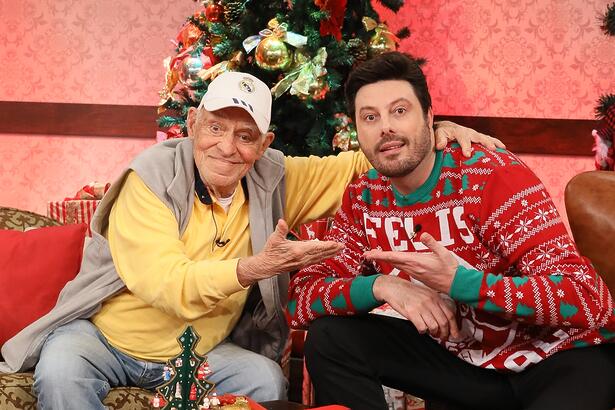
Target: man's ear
(430, 118)
(430, 124)
(191, 122)
(267, 140)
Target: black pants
(350, 358)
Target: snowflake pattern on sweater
(522, 291)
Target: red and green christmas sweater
(522, 291)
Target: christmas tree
(303, 49)
(185, 385)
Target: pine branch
(184, 94)
(223, 48)
(319, 15)
(217, 29)
(334, 79)
(404, 32)
(167, 121)
(608, 20)
(604, 103)
(172, 104)
(313, 36)
(234, 31)
(198, 49)
(338, 54)
(394, 5)
(199, 21)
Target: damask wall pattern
(87, 51)
(516, 58)
(511, 58)
(42, 168)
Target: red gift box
(73, 211)
(81, 207)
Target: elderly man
(516, 318)
(196, 230)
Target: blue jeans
(78, 367)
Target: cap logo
(246, 84)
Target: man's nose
(227, 144)
(387, 127)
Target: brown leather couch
(590, 204)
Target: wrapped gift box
(73, 211)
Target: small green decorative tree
(185, 385)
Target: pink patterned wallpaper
(511, 58)
(519, 58)
(87, 51)
(78, 51)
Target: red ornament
(214, 12)
(192, 392)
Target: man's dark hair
(388, 66)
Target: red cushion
(34, 267)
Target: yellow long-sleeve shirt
(173, 281)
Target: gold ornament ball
(272, 54)
(381, 42)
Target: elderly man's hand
(281, 255)
(449, 131)
(424, 307)
(435, 269)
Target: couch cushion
(34, 267)
(16, 393)
(17, 219)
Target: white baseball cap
(236, 89)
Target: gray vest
(168, 170)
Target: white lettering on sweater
(399, 232)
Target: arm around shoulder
(315, 185)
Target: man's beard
(405, 165)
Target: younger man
(516, 317)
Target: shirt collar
(203, 193)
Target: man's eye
(370, 117)
(215, 129)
